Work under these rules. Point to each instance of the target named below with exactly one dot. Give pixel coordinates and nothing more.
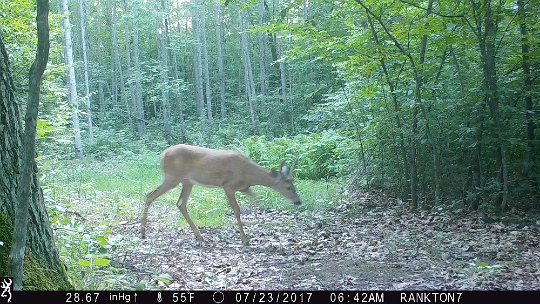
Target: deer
(230, 170)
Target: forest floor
(368, 243)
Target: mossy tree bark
(40, 247)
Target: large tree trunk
(40, 241)
(72, 82)
(18, 247)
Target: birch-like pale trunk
(263, 51)
(85, 53)
(130, 88)
(197, 64)
(139, 106)
(72, 84)
(218, 14)
(118, 74)
(249, 83)
(204, 48)
(164, 71)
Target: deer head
(283, 177)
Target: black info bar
(234, 297)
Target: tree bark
(37, 69)
(21, 200)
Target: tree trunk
(205, 59)
(486, 41)
(72, 82)
(529, 104)
(18, 169)
(139, 105)
(164, 71)
(249, 83)
(263, 50)
(101, 92)
(118, 74)
(18, 247)
(85, 51)
(130, 89)
(395, 99)
(221, 70)
(197, 63)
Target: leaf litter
(370, 242)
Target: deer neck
(262, 177)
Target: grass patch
(115, 189)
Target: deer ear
(284, 171)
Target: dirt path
(368, 244)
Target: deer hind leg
(234, 204)
(168, 184)
(182, 205)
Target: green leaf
(84, 263)
(101, 240)
(165, 278)
(101, 262)
(43, 127)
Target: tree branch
(432, 12)
(389, 34)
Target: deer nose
(297, 203)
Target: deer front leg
(234, 204)
(167, 185)
(182, 205)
